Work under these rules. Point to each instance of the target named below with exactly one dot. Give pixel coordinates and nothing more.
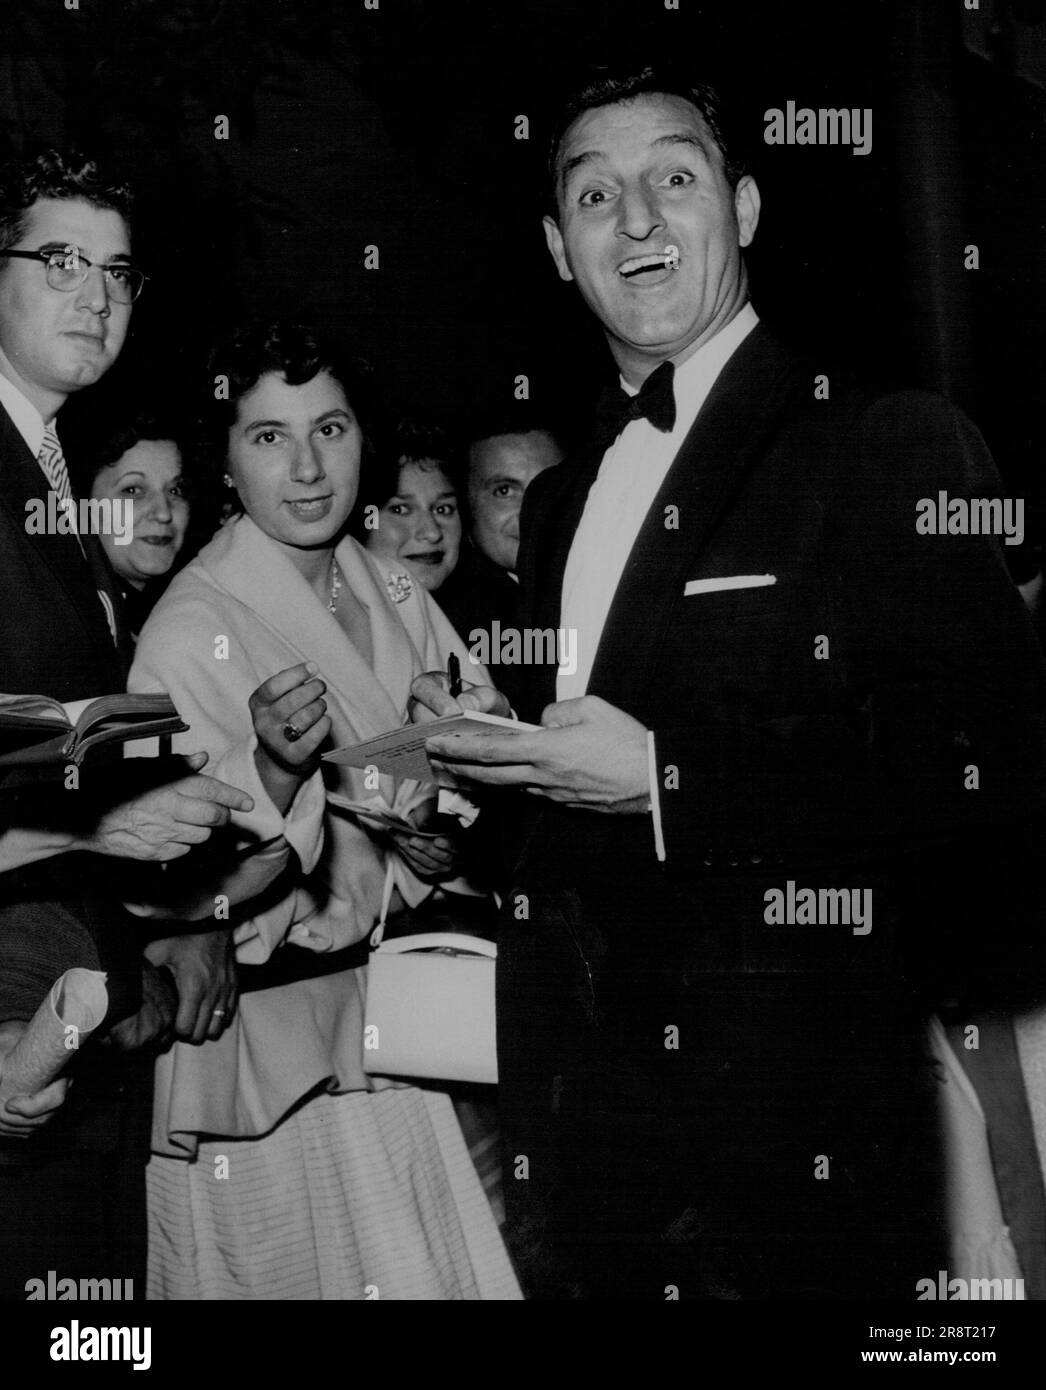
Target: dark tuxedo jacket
(708, 1100)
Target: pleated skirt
(366, 1195)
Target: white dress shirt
(24, 416)
(629, 478)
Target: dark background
(395, 127)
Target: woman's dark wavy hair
(99, 441)
(52, 174)
(107, 443)
(409, 441)
(295, 351)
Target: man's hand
(20, 1116)
(588, 754)
(290, 702)
(165, 822)
(204, 969)
(430, 698)
(153, 1025)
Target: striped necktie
(52, 462)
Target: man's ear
(746, 204)
(554, 237)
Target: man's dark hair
(517, 419)
(607, 86)
(52, 174)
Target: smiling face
(294, 459)
(635, 179)
(53, 343)
(419, 527)
(150, 476)
(500, 470)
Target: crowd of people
(778, 681)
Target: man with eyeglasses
(72, 1199)
(67, 268)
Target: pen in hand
(454, 672)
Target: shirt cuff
(22, 845)
(655, 798)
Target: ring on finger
(291, 732)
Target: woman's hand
(291, 720)
(430, 698)
(431, 860)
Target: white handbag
(430, 1005)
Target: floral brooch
(400, 587)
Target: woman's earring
(227, 480)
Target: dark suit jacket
(475, 597)
(782, 1143)
(54, 640)
(478, 593)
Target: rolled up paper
(75, 1006)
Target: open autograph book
(37, 729)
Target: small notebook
(401, 752)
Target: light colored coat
(235, 616)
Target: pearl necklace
(332, 602)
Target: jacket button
(755, 859)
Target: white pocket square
(732, 581)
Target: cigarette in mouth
(672, 257)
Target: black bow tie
(655, 402)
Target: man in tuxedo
(713, 1081)
(72, 1198)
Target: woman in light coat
(281, 1169)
